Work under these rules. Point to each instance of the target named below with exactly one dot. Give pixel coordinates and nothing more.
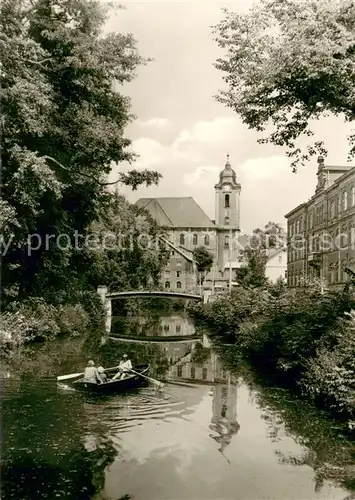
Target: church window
(194, 239)
(178, 284)
(182, 239)
(207, 239)
(226, 221)
(226, 200)
(226, 241)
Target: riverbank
(301, 340)
(37, 321)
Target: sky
(181, 130)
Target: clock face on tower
(227, 188)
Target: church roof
(176, 212)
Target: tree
(62, 128)
(129, 253)
(254, 256)
(204, 260)
(286, 63)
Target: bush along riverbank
(302, 340)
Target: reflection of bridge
(147, 294)
(157, 340)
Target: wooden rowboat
(131, 381)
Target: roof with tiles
(176, 212)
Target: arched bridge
(148, 294)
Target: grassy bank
(301, 340)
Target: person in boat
(102, 374)
(91, 373)
(124, 368)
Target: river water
(208, 433)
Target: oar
(156, 382)
(75, 375)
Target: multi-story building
(321, 231)
(187, 227)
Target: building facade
(187, 227)
(320, 232)
(276, 265)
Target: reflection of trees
(43, 455)
(330, 456)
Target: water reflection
(209, 434)
(162, 325)
(224, 414)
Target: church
(187, 227)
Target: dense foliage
(286, 63)
(302, 339)
(63, 120)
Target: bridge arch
(107, 297)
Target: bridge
(106, 298)
(148, 294)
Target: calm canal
(208, 434)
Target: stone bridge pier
(107, 303)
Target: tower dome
(228, 175)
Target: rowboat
(131, 381)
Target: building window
(172, 252)
(178, 274)
(353, 196)
(226, 241)
(332, 210)
(178, 262)
(339, 204)
(280, 258)
(192, 372)
(179, 371)
(178, 284)
(204, 373)
(226, 201)
(167, 284)
(182, 239)
(207, 240)
(178, 328)
(167, 272)
(345, 200)
(226, 221)
(166, 328)
(194, 239)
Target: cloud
(264, 168)
(199, 176)
(156, 123)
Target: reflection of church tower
(224, 414)
(227, 216)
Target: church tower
(227, 217)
